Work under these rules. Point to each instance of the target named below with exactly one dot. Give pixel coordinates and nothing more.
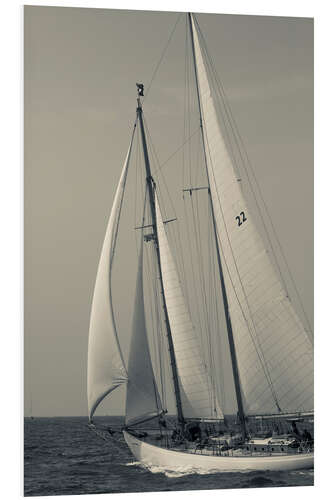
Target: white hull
(152, 455)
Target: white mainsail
(198, 397)
(143, 400)
(274, 353)
(106, 369)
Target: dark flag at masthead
(140, 88)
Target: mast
(232, 349)
(151, 189)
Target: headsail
(106, 369)
(274, 354)
(198, 396)
(143, 400)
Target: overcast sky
(81, 66)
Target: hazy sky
(81, 66)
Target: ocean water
(63, 457)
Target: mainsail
(143, 400)
(106, 369)
(197, 394)
(274, 353)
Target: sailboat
(271, 352)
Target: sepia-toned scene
(168, 251)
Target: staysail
(143, 400)
(106, 369)
(274, 353)
(197, 394)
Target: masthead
(140, 88)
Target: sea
(62, 456)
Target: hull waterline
(152, 455)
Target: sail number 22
(240, 218)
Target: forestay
(143, 400)
(106, 369)
(274, 353)
(197, 394)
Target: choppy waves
(63, 457)
(189, 470)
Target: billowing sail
(197, 394)
(106, 369)
(274, 354)
(143, 400)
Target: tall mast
(233, 355)
(151, 191)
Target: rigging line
(240, 143)
(116, 229)
(198, 216)
(178, 149)
(162, 56)
(183, 154)
(210, 312)
(210, 300)
(173, 237)
(151, 302)
(153, 150)
(207, 329)
(184, 108)
(225, 300)
(150, 280)
(157, 322)
(188, 225)
(186, 119)
(241, 148)
(188, 122)
(136, 194)
(133, 381)
(198, 239)
(156, 339)
(286, 263)
(144, 207)
(157, 319)
(187, 127)
(213, 286)
(160, 340)
(114, 237)
(301, 403)
(218, 321)
(151, 145)
(236, 139)
(262, 357)
(212, 68)
(219, 89)
(155, 157)
(197, 165)
(143, 185)
(239, 399)
(256, 343)
(147, 271)
(196, 300)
